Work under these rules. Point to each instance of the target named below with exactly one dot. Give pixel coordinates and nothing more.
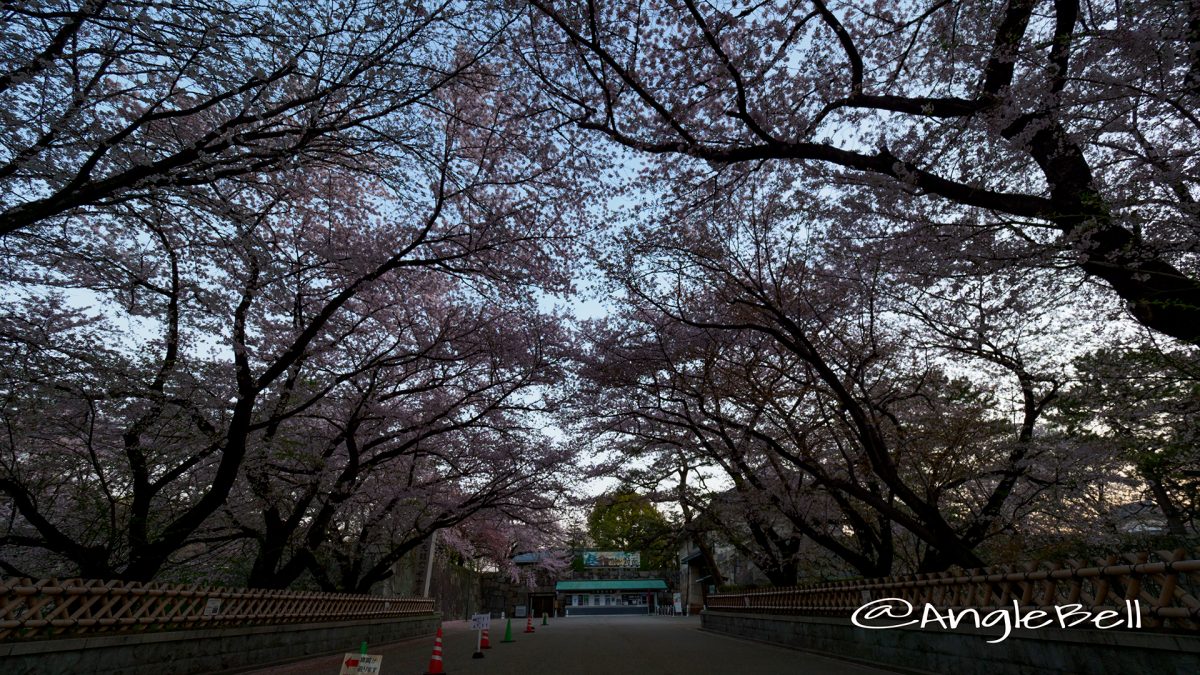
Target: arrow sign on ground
(349, 665)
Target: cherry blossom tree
(182, 428)
(437, 435)
(824, 387)
(123, 102)
(491, 539)
(165, 333)
(717, 411)
(1066, 127)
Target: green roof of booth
(612, 585)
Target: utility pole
(429, 562)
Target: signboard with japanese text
(361, 664)
(481, 622)
(612, 559)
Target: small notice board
(361, 664)
(481, 622)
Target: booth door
(542, 604)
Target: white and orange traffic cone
(486, 644)
(529, 624)
(435, 661)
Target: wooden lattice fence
(1165, 584)
(72, 607)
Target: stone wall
(965, 651)
(501, 595)
(196, 652)
(454, 589)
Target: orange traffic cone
(485, 644)
(529, 624)
(435, 661)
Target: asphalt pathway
(600, 645)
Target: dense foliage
(883, 286)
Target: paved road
(601, 645)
